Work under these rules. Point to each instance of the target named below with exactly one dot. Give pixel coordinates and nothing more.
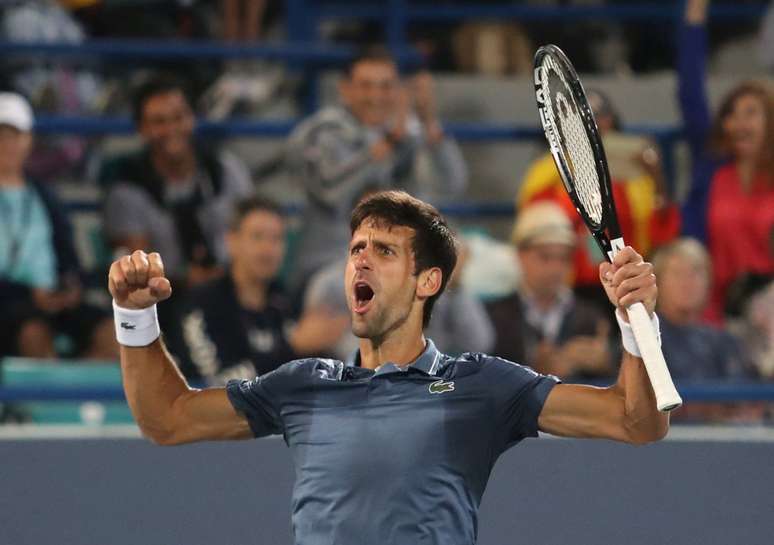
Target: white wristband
(136, 327)
(627, 335)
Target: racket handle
(667, 397)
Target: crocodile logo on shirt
(440, 387)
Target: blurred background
(234, 137)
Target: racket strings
(576, 148)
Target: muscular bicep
(208, 415)
(574, 410)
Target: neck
(174, 168)
(393, 349)
(746, 169)
(251, 294)
(544, 301)
(11, 179)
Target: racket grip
(667, 398)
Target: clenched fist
(137, 281)
(629, 279)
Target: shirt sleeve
(519, 395)
(261, 398)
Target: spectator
(693, 349)
(751, 319)
(646, 215)
(542, 322)
(730, 206)
(62, 87)
(173, 195)
(240, 324)
(460, 321)
(39, 283)
(371, 141)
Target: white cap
(543, 222)
(16, 112)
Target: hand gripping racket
(576, 147)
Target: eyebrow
(374, 242)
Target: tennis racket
(577, 150)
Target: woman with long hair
(730, 205)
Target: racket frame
(606, 233)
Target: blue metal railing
(691, 392)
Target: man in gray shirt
(383, 135)
(397, 448)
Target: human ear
(429, 282)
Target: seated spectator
(240, 325)
(754, 321)
(370, 142)
(542, 322)
(174, 194)
(730, 206)
(692, 348)
(459, 321)
(39, 274)
(646, 215)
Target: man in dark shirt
(397, 448)
(543, 322)
(174, 194)
(241, 324)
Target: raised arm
(625, 411)
(692, 73)
(166, 409)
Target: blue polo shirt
(400, 455)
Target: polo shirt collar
(428, 362)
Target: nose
(363, 260)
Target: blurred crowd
(251, 293)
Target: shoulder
(299, 373)
(122, 167)
(332, 118)
(492, 367)
(212, 291)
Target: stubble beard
(381, 324)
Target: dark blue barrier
(410, 12)
(467, 132)
(309, 54)
(717, 392)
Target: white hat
(15, 111)
(543, 223)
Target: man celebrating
(380, 137)
(397, 448)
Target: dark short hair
(371, 53)
(248, 205)
(159, 84)
(434, 244)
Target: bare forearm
(642, 420)
(153, 384)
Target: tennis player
(395, 448)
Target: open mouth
(363, 296)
